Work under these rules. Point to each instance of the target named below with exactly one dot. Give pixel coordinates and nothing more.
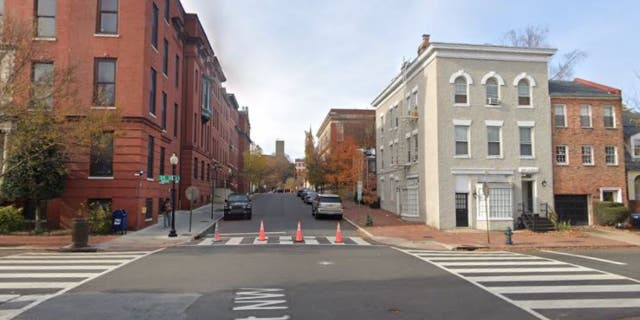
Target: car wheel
(248, 216)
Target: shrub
(11, 219)
(99, 218)
(609, 213)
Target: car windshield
(238, 198)
(330, 199)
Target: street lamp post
(174, 162)
(214, 177)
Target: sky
(290, 61)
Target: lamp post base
(173, 234)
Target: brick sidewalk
(387, 225)
(46, 241)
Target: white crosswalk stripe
(31, 278)
(280, 240)
(536, 284)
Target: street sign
(164, 179)
(192, 193)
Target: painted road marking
(332, 240)
(262, 303)
(530, 284)
(360, 241)
(586, 257)
(234, 241)
(311, 240)
(206, 242)
(21, 266)
(286, 240)
(257, 240)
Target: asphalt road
(354, 281)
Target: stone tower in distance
(279, 148)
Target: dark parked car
(237, 205)
(310, 197)
(301, 192)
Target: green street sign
(164, 179)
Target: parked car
(299, 192)
(310, 197)
(327, 205)
(237, 205)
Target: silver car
(327, 205)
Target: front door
(462, 210)
(527, 196)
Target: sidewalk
(389, 229)
(28, 242)
(157, 236)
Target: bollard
(80, 233)
(508, 233)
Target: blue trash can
(635, 220)
(119, 221)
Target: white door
(411, 204)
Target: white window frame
(462, 123)
(499, 124)
(615, 155)
(632, 142)
(593, 160)
(532, 83)
(452, 80)
(618, 190)
(590, 114)
(566, 155)
(499, 82)
(531, 125)
(564, 113)
(613, 116)
(414, 98)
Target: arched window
(524, 93)
(492, 91)
(460, 87)
(636, 185)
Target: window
(166, 10)
(409, 158)
(609, 117)
(150, 151)
(494, 145)
(462, 140)
(526, 142)
(587, 155)
(206, 94)
(460, 87)
(164, 111)
(562, 155)
(148, 207)
(162, 156)
(492, 91)
(382, 158)
(42, 90)
(1, 11)
(195, 168)
(177, 71)
(585, 116)
(396, 118)
(415, 99)
(382, 123)
(107, 16)
(208, 172)
(524, 93)
(636, 147)
(391, 153)
(559, 115)
(154, 26)
(611, 155)
(610, 194)
(104, 91)
(202, 170)
(46, 18)
(415, 154)
(165, 57)
(101, 155)
(175, 120)
(152, 92)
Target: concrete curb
(203, 232)
(359, 228)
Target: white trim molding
(494, 123)
(492, 74)
(617, 190)
(459, 73)
(524, 75)
(528, 124)
(480, 171)
(458, 122)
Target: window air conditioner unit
(493, 101)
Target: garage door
(412, 199)
(573, 208)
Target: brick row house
(460, 118)
(157, 67)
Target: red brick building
(159, 70)
(588, 142)
(359, 124)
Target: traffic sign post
(192, 193)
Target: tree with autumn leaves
(343, 165)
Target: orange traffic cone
(338, 234)
(299, 234)
(262, 236)
(216, 237)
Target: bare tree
(536, 37)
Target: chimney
(425, 43)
